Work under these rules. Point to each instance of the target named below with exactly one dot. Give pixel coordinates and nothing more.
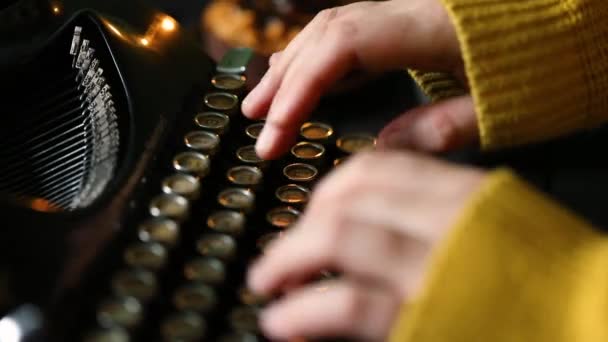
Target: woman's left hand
(375, 220)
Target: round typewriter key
(159, 229)
(293, 194)
(228, 81)
(195, 297)
(171, 206)
(282, 217)
(237, 199)
(308, 151)
(192, 162)
(244, 319)
(182, 184)
(212, 121)
(110, 334)
(227, 222)
(266, 239)
(316, 131)
(221, 101)
(354, 143)
(238, 337)
(152, 256)
(219, 246)
(183, 326)
(121, 311)
(253, 131)
(247, 176)
(135, 283)
(299, 172)
(247, 155)
(203, 141)
(249, 298)
(207, 270)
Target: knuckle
(344, 29)
(444, 130)
(353, 304)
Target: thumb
(436, 127)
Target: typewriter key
(293, 194)
(110, 334)
(238, 337)
(206, 269)
(266, 239)
(183, 326)
(203, 141)
(215, 122)
(316, 131)
(159, 229)
(249, 298)
(135, 283)
(195, 297)
(247, 155)
(121, 311)
(182, 184)
(168, 205)
(308, 151)
(253, 131)
(228, 81)
(219, 246)
(299, 172)
(282, 217)
(244, 319)
(152, 256)
(247, 176)
(192, 162)
(237, 199)
(227, 222)
(354, 143)
(222, 101)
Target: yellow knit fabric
(518, 267)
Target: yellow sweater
(516, 266)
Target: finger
(257, 102)
(337, 308)
(274, 58)
(437, 127)
(315, 245)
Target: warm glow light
(114, 29)
(168, 24)
(144, 42)
(56, 9)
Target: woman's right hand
(372, 37)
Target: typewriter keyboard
(215, 207)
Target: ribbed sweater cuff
(437, 85)
(515, 267)
(528, 66)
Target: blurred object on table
(266, 26)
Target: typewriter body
(131, 195)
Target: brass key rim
(181, 184)
(228, 81)
(254, 173)
(296, 150)
(120, 310)
(136, 283)
(169, 205)
(253, 131)
(159, 229)
(328, 131)
(146, 255)
(184, 326)
(284, 211)
(289, 170)
(226, 199)
(221, 246)
(232, 101)
(282, 194)
(227, 222)
(212, 121)
(355, 143)
(211, 145)
(196, 297)
(209, 270)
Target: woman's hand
(373, 37)
(375, 220)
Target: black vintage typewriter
(131, 194)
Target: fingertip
(273, 324)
